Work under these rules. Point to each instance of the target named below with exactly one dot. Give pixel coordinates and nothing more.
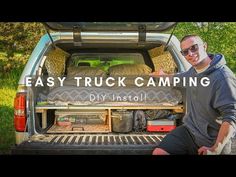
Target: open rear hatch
(77, 27)
(109, 26)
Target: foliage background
(17, 40)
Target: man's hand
(206, 151)
(225, 133)
(158, 73)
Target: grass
(7, 133)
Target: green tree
(19, 37)
(17, 41)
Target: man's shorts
(179, 141)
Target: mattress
(114, 96)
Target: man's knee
(159, 151)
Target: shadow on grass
(7, 131)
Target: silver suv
(60, 116)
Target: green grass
(7, 133)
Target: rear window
(105, 60)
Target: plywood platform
(79, 128)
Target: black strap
(141, 34)
(77, 35)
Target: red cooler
(163, 125)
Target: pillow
(73, 71)
(165, 62)
(156, 51)
(129, 70)
(55, 62)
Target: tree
(19, 37)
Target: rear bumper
(82, 150)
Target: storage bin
(122, 121)
(68, 121)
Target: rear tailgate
(90, 144)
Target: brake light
(20, 112)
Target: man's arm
(225, 133)
(224, 101)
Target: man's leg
(178, 141)
(159, 151)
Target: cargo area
(88, 108)
(91, 119)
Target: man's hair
(189, 36)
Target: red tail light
(20, 112)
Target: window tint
(105, 60)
